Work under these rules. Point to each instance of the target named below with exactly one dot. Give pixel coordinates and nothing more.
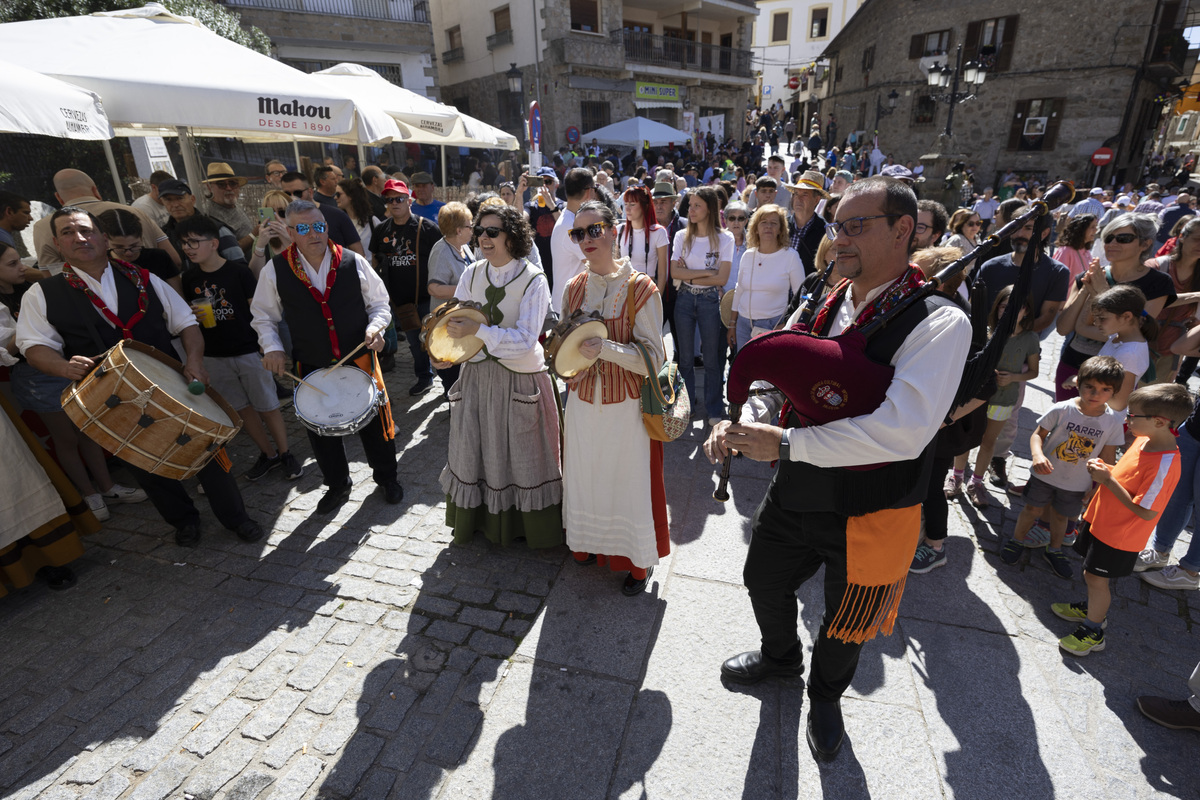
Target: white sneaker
(1151, 559)
(124, 494)
(1172, 577)
(96, 503)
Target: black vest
(800, 486)
(310, 332)
(86, 333)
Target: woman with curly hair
(503, 475)
(1075, 243)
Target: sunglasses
(734, 218)
(396, 200)
(225, 184)
(593, 231)
(1120, 238)
(303, 228)
(491, 231)
(297, 192)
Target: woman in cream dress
(614, 503)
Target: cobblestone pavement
(363, 656)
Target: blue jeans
(745, 325)
(1181, 506)
(703, 310)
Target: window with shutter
(991, 42)
(781, 21)
(933, 43)
(1035, 124)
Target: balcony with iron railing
(499, 39)
(451, 55)
(673, 53)
(1168, 55)
(394, 10)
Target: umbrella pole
(191, 159)
(112, 166)
(443, 166)
(296, 151)
(362, 159)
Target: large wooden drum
(136, 405)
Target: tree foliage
(216, 18)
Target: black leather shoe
(591, 559)
(393, 492)
(333, 499)
(633, 587)
(825, 729)
(249, 531)
(188, 534)
(421, 387)
(752, 667)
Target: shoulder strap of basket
(651, 375)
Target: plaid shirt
(797, 234)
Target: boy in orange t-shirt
(1122, 514)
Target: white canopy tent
(420, 119)
(35, 103)
(160, 74)
(637, 132)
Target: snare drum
(562, 345)
(351, 400)
(437, 341)
(136, 405)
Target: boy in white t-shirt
(1067, 437)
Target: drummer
(59, 335)
(614, 502)
(332, 300)
(503, 475)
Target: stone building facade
(1063, 79)
(392, 37)
(591, 63)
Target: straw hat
(220, 171)
(810, 180)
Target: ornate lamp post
(971, 74)
(885, 111)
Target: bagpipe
(830, 378)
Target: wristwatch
(785, 448)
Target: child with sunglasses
(1122, 514)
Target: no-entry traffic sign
(1102, 156)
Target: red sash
(293, 259)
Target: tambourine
(562, 345)
(436, 339)
(727, 302)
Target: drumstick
(346, 357)
(298, 379)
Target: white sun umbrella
(420, 119)
(158, 73)
(36, 103)
(636, 131)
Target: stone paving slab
(364, 656)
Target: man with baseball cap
(180, 203)
(224, 188)
(899, 172)
(400, 254)
(805, 227)
(1092, 204)
(543, 210)
(423, 202)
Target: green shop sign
(656, 91)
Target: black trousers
(176, 506)
(786, 549)
(935, 508)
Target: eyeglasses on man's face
(303, 228)
(854, 226)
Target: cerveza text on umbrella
(77, 121)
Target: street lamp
(514, 79)
(971, 73)
(881, 110)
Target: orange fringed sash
(879, 550)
